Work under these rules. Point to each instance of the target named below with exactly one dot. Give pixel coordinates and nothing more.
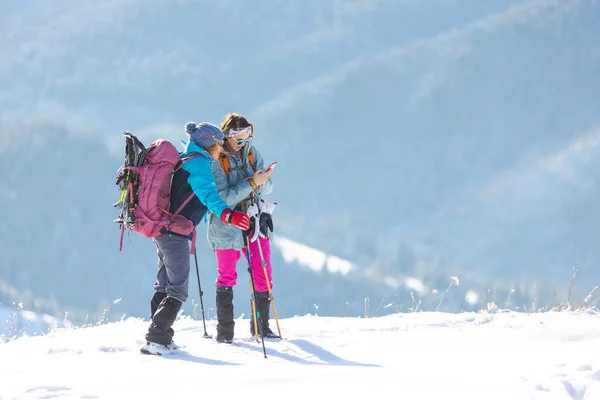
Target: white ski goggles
(237, 132)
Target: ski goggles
(242, 131)
(220, 141)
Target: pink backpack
(145, 183)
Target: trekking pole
(253, 304)
(253, 297)
(264, 265)
(206, 335)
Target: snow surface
(424, 355)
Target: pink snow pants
(227, 260)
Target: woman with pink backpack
(193, 193)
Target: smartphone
(270, 167)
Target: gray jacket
(235, 191)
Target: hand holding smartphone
(270, 167)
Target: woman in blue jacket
(195, 176)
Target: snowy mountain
(76, 267)
(463, 356)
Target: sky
(538, 356)
(65, 67)
(414, 139)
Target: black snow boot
(263, 302)
(155, 302)
(160, 330)
(225, 322)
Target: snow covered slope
(402, 356)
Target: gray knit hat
(204, 134)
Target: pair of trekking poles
(258, 328)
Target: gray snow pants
(173, 273)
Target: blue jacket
(196, 176)
(235, 190)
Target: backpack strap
(186, 159)
(190, 197)
(179, 165)
(224, 161)
(251, 158)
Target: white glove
(253, 213)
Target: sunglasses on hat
(220, 141)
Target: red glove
(235, 218)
